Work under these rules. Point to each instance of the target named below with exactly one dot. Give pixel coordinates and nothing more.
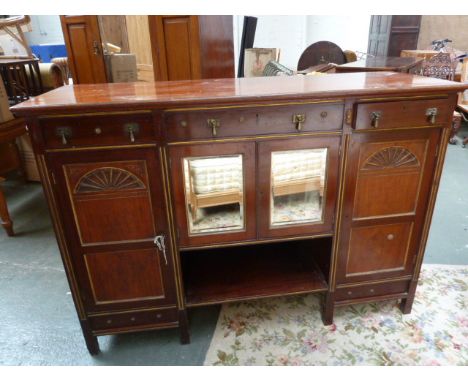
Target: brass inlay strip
(89, 148)
(251, 105)
(136, 310)
(61, 237)
(98, 113)
(257, 137)
(438, 125)
(254, 242)
(402, 98)
(338, 212)
(372, 282)
(171, 223)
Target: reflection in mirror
(214, 194)
(297, 186)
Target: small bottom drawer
(371, 290)
(133, 319)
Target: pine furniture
(114, 161)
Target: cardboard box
(122, 67)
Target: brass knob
(375, 118)
(371, 290)
(299, 120)
(159, 315)
(350, 293)
(323, 114)
(431, 114)
(214, 124)
(390, 236)
(109, 321)
(132, 319)
(98, 130)
(183, 123)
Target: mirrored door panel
(298, 185)
(214, 192)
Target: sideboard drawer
(98, 130)
(371, 290)
(382, 115)
(221, 123)
(133, 319)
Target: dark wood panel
(125, 275)
(227, 274)
(182, 126)
(401, 114)
(377, 249)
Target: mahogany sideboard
(171, 195)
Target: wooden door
(379, 33)
(297, 181)
(388, 179)
(83, 42)
(176, 47)
(214, 192)
(117, 209)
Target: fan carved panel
(391, 157)
(109, 179)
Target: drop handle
(132, 129)
(64, 133)
(431, 115)
(160, 243)
(214, 125)
(299, 120)
(375, 118)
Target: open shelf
(252, 271)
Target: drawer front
(384, 115)
(183, 126)
(133, 319)
(98, 130)
(371, 290)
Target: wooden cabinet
(174, 195)
(192, 47)
(389, 35)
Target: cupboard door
(388, 178)
(297, 186)
(83, 42)
(176, 49)
(214, 192)
(116, 199)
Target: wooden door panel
(83, 42)
(378, 249)
(105, 195)
(125, 275)
(388, 179)
(116, 204)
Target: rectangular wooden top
(233, 91)
(381, 64)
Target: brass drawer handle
(375, 118)
(323, 114)
(214, 124)
(132, 129)
(431, 114)
(299, 120)
(64, 133)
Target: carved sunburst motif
(389, 157)
(109, 178)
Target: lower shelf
(228, 274)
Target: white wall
(292, 34)
(45, 30)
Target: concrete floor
(38, 323)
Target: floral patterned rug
(289, 331)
